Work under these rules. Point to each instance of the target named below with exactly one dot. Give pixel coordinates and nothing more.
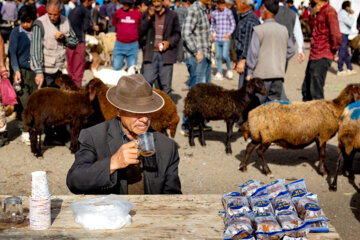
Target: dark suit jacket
(171, 33)
(90, 172)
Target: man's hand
(39, 79)
(126, 155)
(301, 57)
(59, 35)
(17, 77)
(227, 36)
(151, 12)
(166, 45)
(199, 57)
(240, 66)
(248, 78)
(212, 37)
(96, 28)
(336, 58)
(351, 11)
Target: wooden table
(154, 217)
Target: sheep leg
(201, 133)
(333, 186)
(321, 149)
(191, 133)
(260, 151)
(229, 128)
(35, 144)
(75, 130)
(349, 164)
(249, 148)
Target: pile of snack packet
(272, 212)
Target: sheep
(161, 120)
(54, 107)
(207, 101)
(108, 42)
(348, 141)
(111, 77)
(295, 125)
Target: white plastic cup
(39, 184)
(40, 213)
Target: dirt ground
(208, 169)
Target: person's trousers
(180, 51)
(199, 72)
(125, 50)
(314, 81)
(49, 79)
(343, 54)
(156, 69)
(76, 60)
(222, 50)
(274, 88)
(58, 133)
(28, 86)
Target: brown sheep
(348, 142)
(207, 101)
(54, 107)
(165, 118)
(295, 125)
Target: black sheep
(207, 101)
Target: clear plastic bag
(107, 212)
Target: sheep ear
(250, 88)
(92, 94)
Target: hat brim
(154, 105)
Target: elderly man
(160, 27)
(51, 33)
(108, 159)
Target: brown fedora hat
(134, 94)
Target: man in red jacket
(325, 42)
(126, 21)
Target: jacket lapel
(114, 136)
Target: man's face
(54, 14)
(135, 123)
(221, 7)
(87, 3)
(157, 4)
(241, 6)
(126, 6)
(27, 25)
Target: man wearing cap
(269, 49)
(108, 159)
(126, 21)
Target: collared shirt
(253, 52)
(196, 31)
(134, 172)
(222, 23)
(326, 36)
(36, 48)
(9, 11)
(243, 33)
(346, 20)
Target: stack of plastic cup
(39, 202)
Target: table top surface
(153, 217)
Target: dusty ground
(208, 169)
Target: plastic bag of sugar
(107, 212)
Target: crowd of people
(255, 41)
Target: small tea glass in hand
(13, 210)
(146, 144)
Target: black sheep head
(255, 85)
